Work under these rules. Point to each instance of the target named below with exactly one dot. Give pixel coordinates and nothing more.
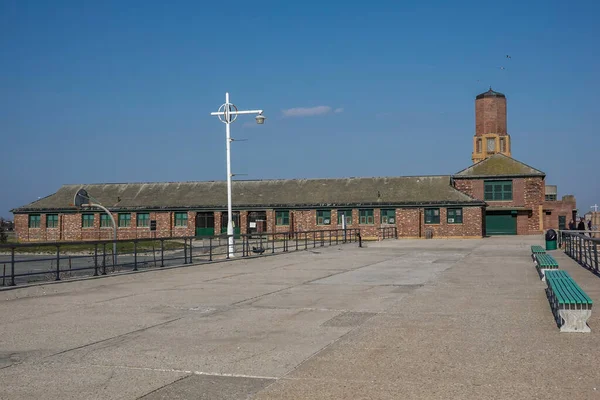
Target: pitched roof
(408, 191)
(498, 165)
(489, 93)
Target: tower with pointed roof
(491, 136)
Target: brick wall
(490, 115)
(555, 209)
(409, 223)
(527, 193)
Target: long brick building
(495, 195)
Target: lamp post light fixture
(227, 114)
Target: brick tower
(490, 126)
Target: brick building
(495, 195)
(412, 204)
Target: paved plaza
(398, 319)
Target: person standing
(571, 225)
(581, 225)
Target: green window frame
(87, 220)
(51, 220)
(344, 213)
(124, 220)
(365, 216)
(105, 221)
(323, 217)
(454, 215)
(388, 216)
(181, 219)
(34, 220)
(432, 215)
(498, 190)
(282, 217)
(142, 220)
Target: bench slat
(566, 290)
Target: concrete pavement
(422, 319)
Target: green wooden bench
(537, 250)
(571, 306)
(544, 262)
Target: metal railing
(42, 261)
(388, 232)
(582, 247)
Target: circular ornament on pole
(226, 109)
(81, 198)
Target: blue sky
(121, 91)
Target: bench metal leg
(575, 320)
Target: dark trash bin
(551, 239)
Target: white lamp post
(227, 114)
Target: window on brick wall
(34, 220)
(51, 220)
(454, 215)
(344, 214)
(498, 190)
(478, 145)
(502, 145)
(87, 220)
(365, 217)
(323, 217)
(105, 221)
(432, 215)
(124, 220)
(282, 217)
(388, 216)
(143, 220)
(550, 197)
(491, 145)
(181, 218)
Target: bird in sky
(507, 56)
(502, 68)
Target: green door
(237, 230)
(500, 223)
(205, 224)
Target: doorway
(257, 222)
(236, 223)
(205, 224)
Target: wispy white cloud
(338, 110)
(306, 111)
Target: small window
(105, 221)
(562, 222)
(181, 219)
(341, 214)
(323, 217)
(34, 220)
(491, 145)
(87, 220)
(454, 215)
(432, 215)
(51, 220)
(365, 217)
(124, 220)
(498, 190)
(388, 216)
(282, 217)
(502, 145)
(143, 220)
(550, 197)
(478, 145)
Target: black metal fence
(388, 232)
(37, 261)
(582, 247)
